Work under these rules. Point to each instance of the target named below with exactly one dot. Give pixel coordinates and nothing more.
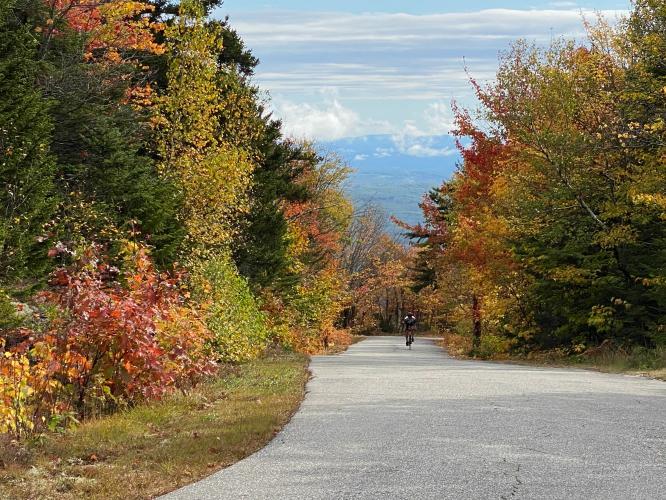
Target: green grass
(158, 447)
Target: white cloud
(383, 152)
(332, 120)
(325, 122)
(337, 75)
(438, 117)
(414, 142)
(275, 28)
(563, 5)
(421, 142)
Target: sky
(352, 68)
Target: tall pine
(26, 165)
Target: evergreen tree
(102, 155)
(26, 164)
(262, 255)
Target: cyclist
(410, 326)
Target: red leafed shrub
(114, 338)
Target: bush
(9, 319)
(239, 328)
(108, 344)
(492, 346)
(15, 392)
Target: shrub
(9, 319)
(183, 334)
(493, 345)
(15, 392)
(108, 344)
(239, 328)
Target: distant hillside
(396, 172)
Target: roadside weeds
(641, 362)
(158, 447)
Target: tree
(643, 111)
(572, 176)
(555, 218)
(365, 239)
(92, 69)
(262, 253)
(214, 176)
(27, 166)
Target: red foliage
(111, 26)
(114, 342)
(482, 161)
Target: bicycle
(409, 335)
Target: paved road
(383, 422)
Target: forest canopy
(157, 223)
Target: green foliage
(8, 317)
(102, 160)
(129, 136)
(554, 224)
(263, 253)
(232, 313)
(235, 54)
(26, 165)
(107, 185)
(591, 248)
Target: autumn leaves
(553, 223)
(157, 221)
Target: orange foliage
(110, 344)
(111, 26)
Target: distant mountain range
(396, 171)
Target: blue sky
(348, 68)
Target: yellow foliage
(15, 392)
(214, 176)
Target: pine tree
(26, 164)
(263, 254)
(101, 151)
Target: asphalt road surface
(381, 421)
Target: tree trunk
(397, 309)
(476, 320)
(349, 316)
(387, 318)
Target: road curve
(382, 422)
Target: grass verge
(639, 361)
(155, 448)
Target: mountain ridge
(395, 171)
